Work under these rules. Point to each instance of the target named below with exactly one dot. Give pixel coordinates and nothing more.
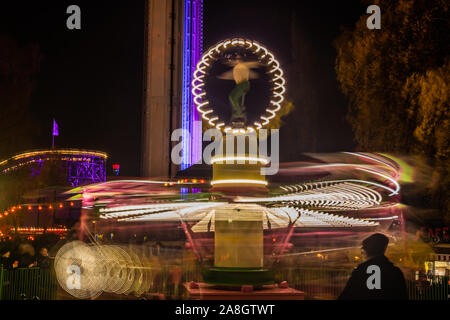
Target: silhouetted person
(5, 258)
(43, 260)
(377, 278)
(26, 256)
(27, 261)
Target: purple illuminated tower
(173, 45)
(192, 51)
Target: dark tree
(397, 82)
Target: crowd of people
(23, 255)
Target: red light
(6, 213)
(40, 208)
(29, 207)
(116, 166)
(50, 207)
(202, 181)
(71, 204)
(60, 205)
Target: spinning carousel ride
(241, 221)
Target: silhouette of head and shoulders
(376, 278)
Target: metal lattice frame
(86, 172)
(83, 167)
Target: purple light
(192, 49)
(83, 167)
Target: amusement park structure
(43, 209)
(239, 224)
(81, 166)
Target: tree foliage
(397, 82)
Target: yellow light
(64, 151)
(241, 181)
(239, 158)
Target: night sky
(91, 79)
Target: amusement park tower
(172, 47)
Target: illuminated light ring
(373, 157)
(158, 206)
(84, 257)
(210, 56)
(344, 195)
(133, 213)
(340, 196)
(96, 186)
(243, 181)
(176, 214)
(349, 180)
(397, 186)
(309, 218)
(239, 158)
(383, 218)
(139, 212)
(103, 268)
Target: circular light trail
(263, 54)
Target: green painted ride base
(236, 277)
